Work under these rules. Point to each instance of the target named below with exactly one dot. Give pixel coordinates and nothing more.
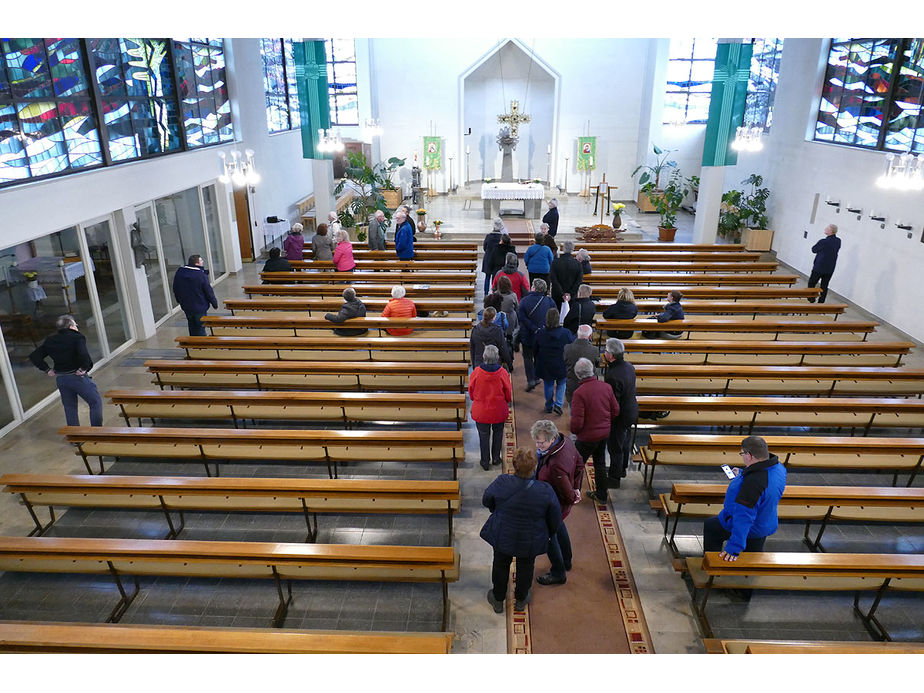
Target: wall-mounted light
(833, 203)
(329, 141)
(854, 210)
(747, 138)
(903, 226)
(875, 216)
(240, 170)
(903, 172)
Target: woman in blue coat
(550, 360)
(524, 514)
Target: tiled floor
(35, 446)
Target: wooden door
(242, 216)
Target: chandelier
(239, 170)
(747, 139)
(329, 141)
(903, 172)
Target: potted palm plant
(743, 217)
(652, 174)
(667, 204)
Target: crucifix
(514, 119)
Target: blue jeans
(72, 386)
(559, 392)
(195, 326)
(559, 551)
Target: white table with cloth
(531, 194)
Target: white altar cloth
(512, 191)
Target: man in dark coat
(531, 313)
(566, 274)
(193, 292)
(551, 217)
(580, 348)
(620, 376)
(276, 263)
(581, 310)
(593, 410)
(825, 259)
(491, 241)
(672, 311)
(486, 332)
(524, 514)
(351, 308)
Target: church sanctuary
(269, 421)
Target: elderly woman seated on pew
(399, 307)
(672, 311)
(352, 308)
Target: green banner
(587, 154)
(433, 152)
(313, 102)
(726, 107)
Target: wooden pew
(856, 572)
(861, 414)
(319, 307)
(670, 280)
(307, 213)
(217, 445)
(393, 265)
(641, 265)
(179, 495)
(712, 293)
(346, 408)
(414, 277)
(419, 246)
(362, 376)
(332, 348)
(668, 255)
(773, 328)
(662, 247)
(717, 646)
(280, 562)
(808, 504)
(754, 308)
(828, 381)
(441, 254)
(414, 291)
(847, 454)
(765, 352)
(287, 326)
(49, 637)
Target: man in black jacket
(580, 348)
(566, 274)
(68, 351)
(276, 263)
(581, 310)
(551, 217)
(825, 259)
(352, 308)
(620, 375)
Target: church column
(726, 113)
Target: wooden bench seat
(754, 308)
(414, 290)
(361, 277)
(308, 497)
(721, 646)
(218, 445)
(808, 504)
(766, 352)
(392, 265)
(663, 247)
(103, 638)
(730, 328)
(319, 307)
(833, 453)
(860, 414)
(828, 381)
(304, 326)
(657, 255)
(798, 294)
(362, 376)
(332, 348)
(237, 406)
(280, 562)
(360, 252)
(670, 280)
(669, 265)
(855, 572)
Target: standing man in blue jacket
(749, 514)
(193, 292)
(825, 259)
(404, 237)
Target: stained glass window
(765, 74)
(341, 79)
(143, 97)
(279, 85)
(690, 69)
(872, 96)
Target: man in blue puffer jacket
(193, 292)
(749, 515)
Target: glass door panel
(145, 247)
(108, 284)
(179, 219)
(213, 228)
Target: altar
(492, 194)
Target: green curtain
(313, 100)
(726, 108)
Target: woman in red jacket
(491, 393)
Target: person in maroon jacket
(491, 393)
(561, 466)
(593, 410)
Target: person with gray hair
(487, 332)
(399, 307)
(377, 230)
(559, 464)
(517, 280)
(538, 259)
(491, 392)
(548, 240)
(531, 313)
(351, 308)
(551, 217)
(566, 274)
(72, 364)
(581, 310)
(578, 349)
(620, 376)
(294, 244)
(404, 237)
(826, 251)
(593, 410)
(491, 242)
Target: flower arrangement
(437, 222)
(618, 207)
(488, 180)
(30, 275)
(421, 212)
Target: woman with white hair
(343, 252)
(333, 223)
(294, 244)
(490, 390)
(399, 307)
(491, 241)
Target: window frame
(290, 88)
(687, 91)
(332, 91)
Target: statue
(506, 143)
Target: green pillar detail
(313, 100)
(726, 108)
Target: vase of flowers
(436, 227)
(421, 220)
(618, 208)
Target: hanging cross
(514, 119)
(732, 78)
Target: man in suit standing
(193, 292)
(551, 217)
(825, 259)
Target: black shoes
(557, 409)
(498, 606)
(496, 462)
(593, 496)
(549, 579)
(531, 386)
(520, 604)
(548, 410)
(613, 481)
(485, 465)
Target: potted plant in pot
(667, 204)
(743, 215)
(390, 192)
(652, 174)
(367, 185)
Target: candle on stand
(468, 150)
